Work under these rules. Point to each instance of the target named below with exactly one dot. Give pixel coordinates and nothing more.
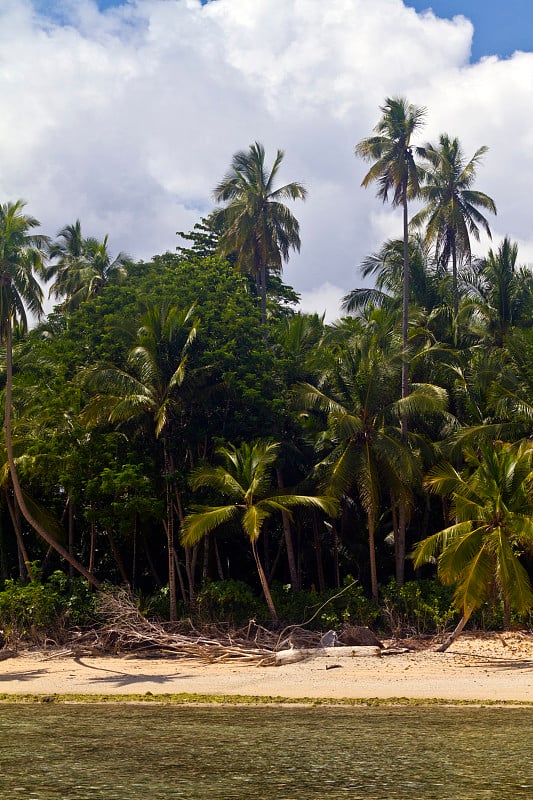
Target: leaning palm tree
(493, 508)
(451, 213)
(153, 385)
(245, 482)
(21, 256)
(257, 228)
(395, 171)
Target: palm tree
(451, 213)
(256, 225)
(246, 481)
(396, 172)
(21, 255)
(426, 287)
(502, 291)
(153, 386)
(362, 439)
(82, 266)
(493, 508)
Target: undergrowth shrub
(230, 601)
(417, 607)
(35, 610)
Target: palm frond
(205, 520)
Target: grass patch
(250, 700)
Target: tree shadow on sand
(127, 678)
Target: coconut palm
(502, 291)
(153, 385)
(396, 172)
(427, 289)
(21, 258)
(451, 214)
(67, 255)
(493, 507)
(81, 267)
(246, 482)
(256, 227)
(364, 449)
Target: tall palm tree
(493, 508)
(152, 386)
(256, 226)
(364, 449)
(396, 172)
(246, 482)
(81, 266)
(21, 255)
(451, 213)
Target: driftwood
(293, 654)
(125, 630)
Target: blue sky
(500, 26)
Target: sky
(126, 115)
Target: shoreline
(494, 669)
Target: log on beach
(294, 655)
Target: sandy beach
(483, 668)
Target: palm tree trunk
(191, 555)
(405, 310)
(24, 561)
(170, 533)
(14, 475)
(263, 290)
(70, 532)
(400, 544)
(218, 560)
(455, 288)
(318, 555)
(336, 563)
(92, 546)
(295, 583)
(400, 549)
(264, 585)
(372, 555)
(506, 613)
(453, 636)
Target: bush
(35, 610)
(229, 601)
(417, 607)
(350, 606)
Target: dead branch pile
(125, 629)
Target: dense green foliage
(336, 463)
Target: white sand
(492, 668)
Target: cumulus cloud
(127, 118)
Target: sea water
(158, 752)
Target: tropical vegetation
(381, 464)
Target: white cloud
(128, 118)
(324, 299)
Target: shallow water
(125, 752)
